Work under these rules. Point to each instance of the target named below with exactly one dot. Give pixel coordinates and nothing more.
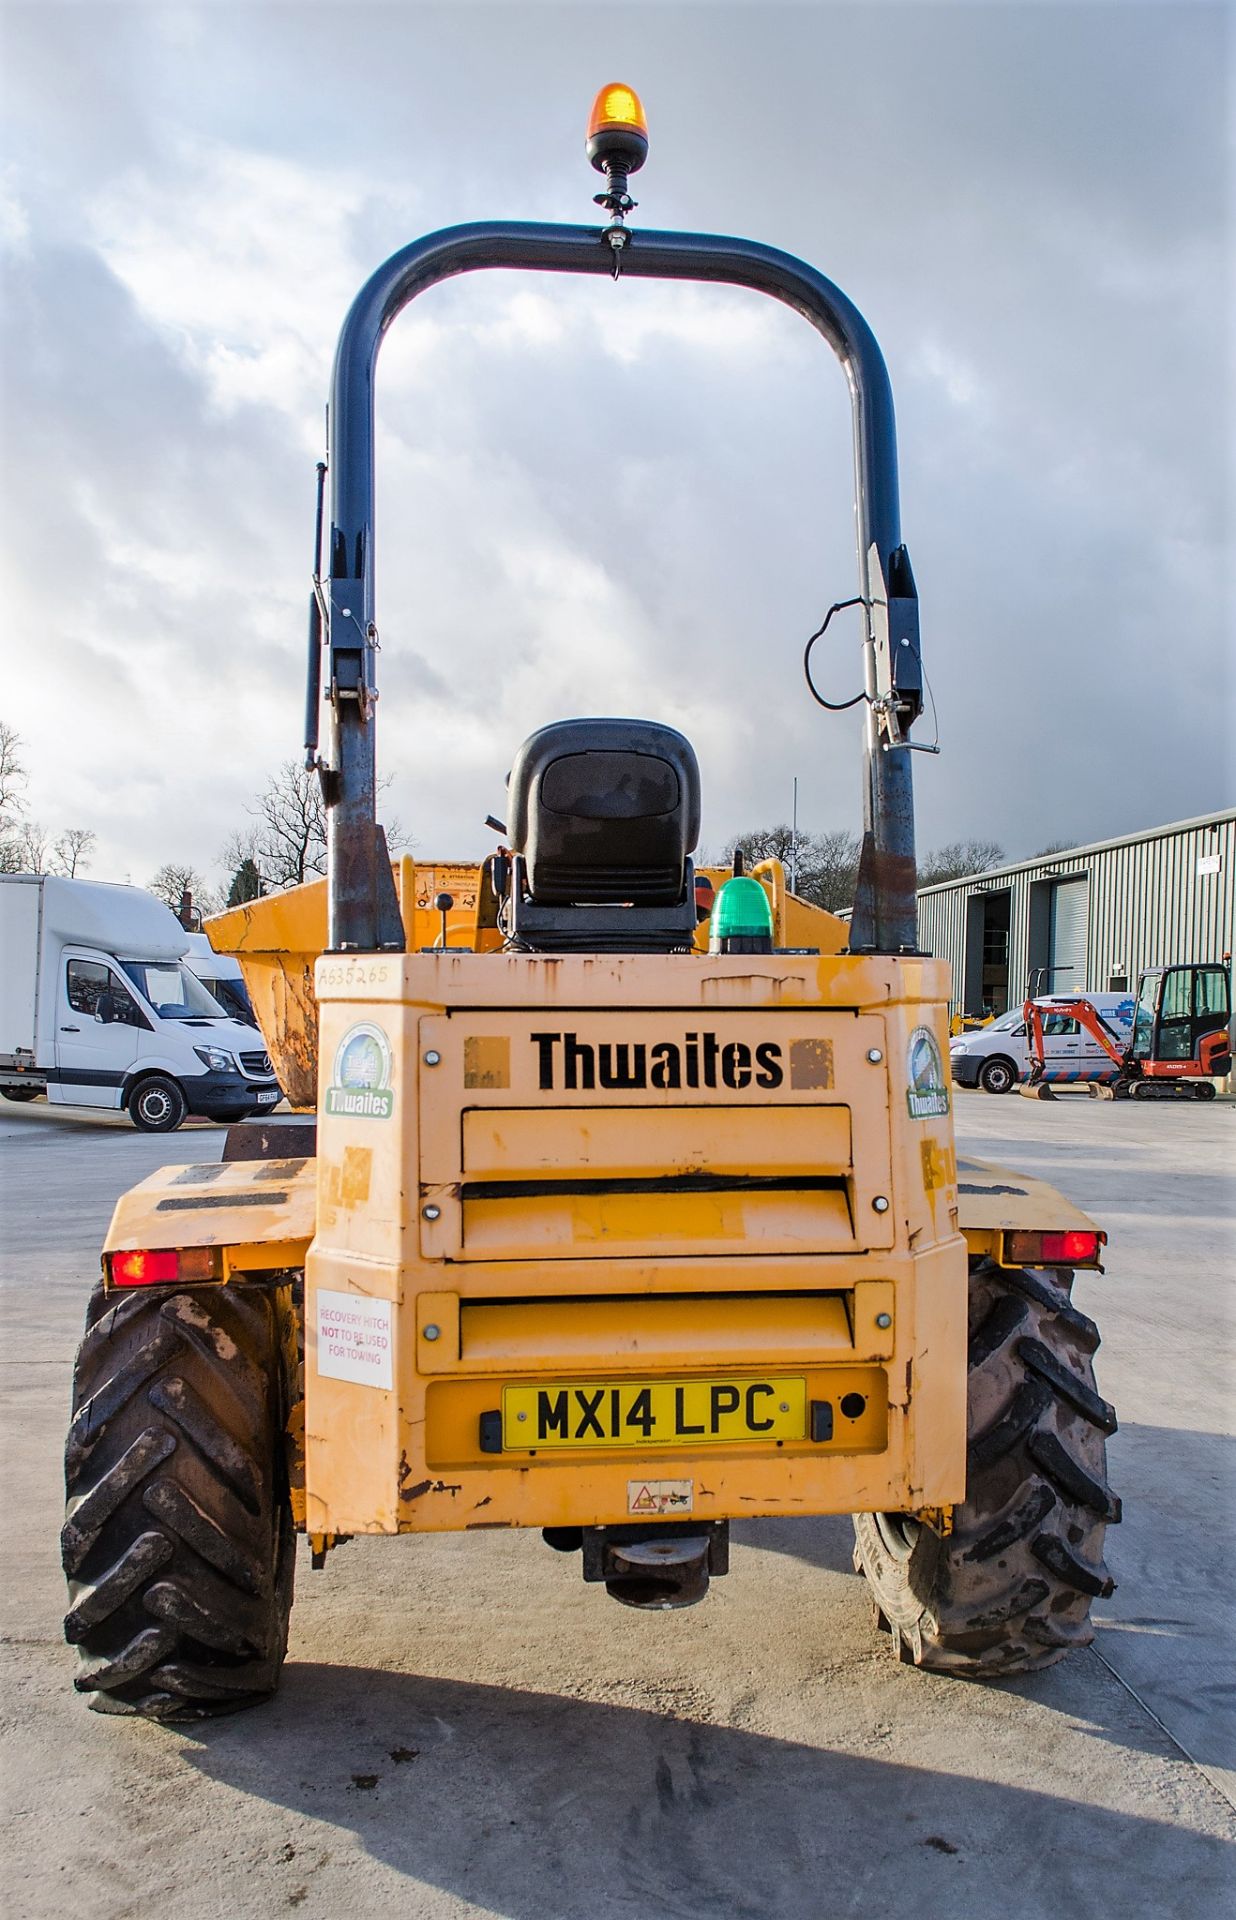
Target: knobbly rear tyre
(178, 1543)
(1011, 1588)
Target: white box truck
(99, 1009)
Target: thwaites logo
(927, 1092)
(360, 1085)
(568, 1064)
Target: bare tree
(1054, 846)
(23, 847)
(827, 862)
(12, 799)
(13, 774)
(24, 843)
(287, 841)
(289, 835)
(828, 869)
(239, 847)
(72, 850)
(174, 880)
(959, 859)
(766, 843)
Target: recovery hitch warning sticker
(354, 1338)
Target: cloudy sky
(600, 499)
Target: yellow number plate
(665, 1413)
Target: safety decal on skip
(927, 1092)
(360, 1085)
(660, 1496)
(354, 1338)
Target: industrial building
(1087, 920)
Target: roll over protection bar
(363, 913)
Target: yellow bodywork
(583, 1234)
(697, 1198)
(259, 1213)
(274, 1204)
(278, 938)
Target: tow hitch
(657, 1565)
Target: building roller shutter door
(1069, 899)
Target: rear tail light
(162, 1266)
(1075, 1249)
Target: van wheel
(157, 1105)
(998, 1075)
(178, 1541)
(1010, 1589)
(21, 1094)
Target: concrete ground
(465, 1729)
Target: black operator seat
(603, 816)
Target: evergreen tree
(246, 883)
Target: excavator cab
(1182, 1022)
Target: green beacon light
(741, 919)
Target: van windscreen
(173, 992)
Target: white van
(221, 974)
(996, 1057)
(98, 1009)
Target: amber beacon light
(617, 131)
(617, 145)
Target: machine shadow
(1166, 1629)
(537, 1807)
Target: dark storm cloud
(595, 497)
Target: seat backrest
(605, 811)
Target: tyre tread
(1091, 1405)
(1029, 1402)
(1038, 1288)
(1000, 1324)
(89, 1514)
(177, 1538)
(1010, 1590)
(1058, 1558)
(1066, 1473)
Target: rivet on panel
(432, 1058)
(431, 1332)
(432, 1213)
(880, 1203)
(874, 1055)
(884, 1319)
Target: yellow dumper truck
(619, 1218)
